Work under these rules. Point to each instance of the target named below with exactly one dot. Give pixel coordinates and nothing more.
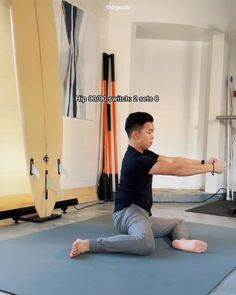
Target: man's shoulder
(132, 153)
(151, 154)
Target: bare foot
(79, 247)
(195, 246)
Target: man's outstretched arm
(178, 166)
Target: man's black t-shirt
(135, 183)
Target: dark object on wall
(73, 19)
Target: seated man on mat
(132, 213)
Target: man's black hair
(135, 121)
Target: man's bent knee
(147, 246)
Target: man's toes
(202, 249)
(74, 250)
(72, 253)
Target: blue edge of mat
(38, 263)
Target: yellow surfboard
(39, 92)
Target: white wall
(80, 137)
(171, 69)
(217, 96)
(214, 15)
(116, 32)
(81, 150)
(232, 71)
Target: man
(132, 213)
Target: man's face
(146, 135)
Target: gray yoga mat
(39, 264)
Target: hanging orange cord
(109, 142)
(105, 190)
(103, 181)
(113, 93)
(105, 123)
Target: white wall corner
(215, 134)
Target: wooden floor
(86, 194)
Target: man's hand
(211, 160)
(177, 166)
(219, 166)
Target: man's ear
(135, 134)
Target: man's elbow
(168, 168)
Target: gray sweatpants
(138, 232)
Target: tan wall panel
(85, 194)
